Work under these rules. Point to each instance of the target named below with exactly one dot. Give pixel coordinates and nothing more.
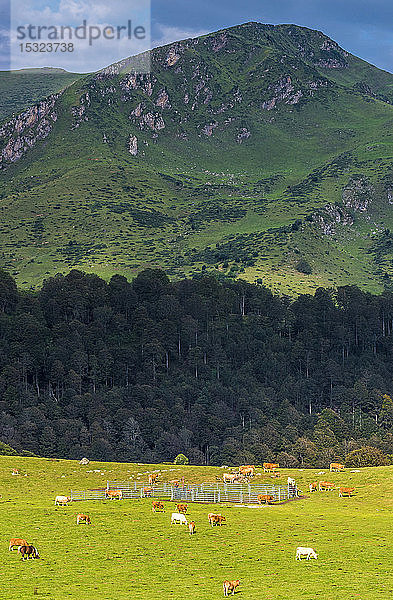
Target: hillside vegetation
(130, 552)
(243, 152)
(222, 372)
(21, 89)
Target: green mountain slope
(259, 150)
(20, 89)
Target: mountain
(261, 151)
(20, 89)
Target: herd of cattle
(27, 550)
(247, 472)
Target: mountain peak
(245, 151)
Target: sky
(363, 27)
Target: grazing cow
(215, 519)
(230, 586)
(28, 552)
(112, 494)
(153, 478)
(230, 477)
(247, 470)
(345, 491)
(313, 487)
(17, 542)
(267, 467)
(81, 518)
(291, 481)
(336, 467)
(307, 552)
(210, 518)
(15, 472)
(325, 486)
(265, 499)
(178, 518)
(147, 491)
(191, 527)
(62, 500)
(157, 506)
(275, 474)
(181, 508)
(84, 461)
(175, 483)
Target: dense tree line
(224, 372)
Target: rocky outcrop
(219, 41)
(331, 216)
(23, 132)
(136, 81)
(163, 100)
(358, 194)
(172, 57)
(79, 112)
(209, 128)
(147, 119)
(332, 56)
(283, 90)
(243, 134)
(133, 145)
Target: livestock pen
(209, 493)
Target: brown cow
(275, 474)
(230, 586)
(215, 519)
(336, 467)
(157, 506)
(267, 467)
(181, 508)
(112, 494)
(82, 518)
(191, 527)
(265, 498)
(345, 491)
(313, 487)
(230, 477)
(28, 552)
(153, 478)
(17, 542)
(325, 486)
(15, 471)
(209, 517)
(147, 491)
(175, 483)
(247, 470)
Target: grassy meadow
(129, 552)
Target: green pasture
(131, 553)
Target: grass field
(129, 552)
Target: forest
(222, 371)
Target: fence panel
(205, 492)
(88, 495)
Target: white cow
(291, 481)
(62, 500)
(178, 518)
(307, 552)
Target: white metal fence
(205, 492)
